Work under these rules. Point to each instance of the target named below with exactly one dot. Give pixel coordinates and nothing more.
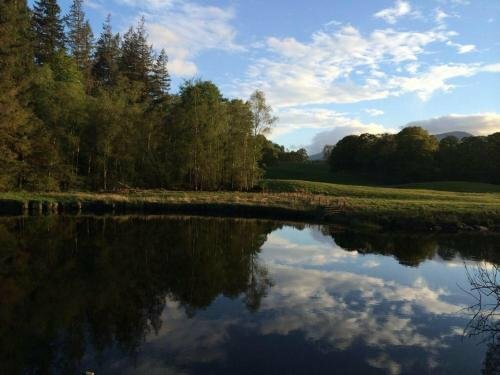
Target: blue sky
(334, 67)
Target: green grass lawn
(455, 186)
(376, 192)
(319, 171)
(381, 203)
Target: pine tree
(137, 55)
(80, 37)
(105, 69)
(160, 78)
(48, 29)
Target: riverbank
(384, 208)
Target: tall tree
(137, 55)
(197, 131)
(48, 29)
(79, 37)
(263, 121)
(414, 155)
(160, 78)
(105, 69)
(263, 118)
(239, 146)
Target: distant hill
(316, 157)
(459, 135)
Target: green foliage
(105, 68)
(240, 169)
(80, 39)
(103, 117)
(273, 153)
(24, 155)
(211, 140)
(413, 155)
(48, 29)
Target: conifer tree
(105, 69)
(137, 55)
(48, 29)
(80, 37)
(160, 78)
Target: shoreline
(369, 214)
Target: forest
(96, 113)
(413, 155)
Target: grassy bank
(391, 208)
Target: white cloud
(339, 131)
(466, 48)
(436, 78)
(462, 48)
(374, 112)
(333, 125)
(279, 250)
(391, 15)
(441, 16)
(313, 118)
(319, 72)
(455, 2)
(477, 124)
(412, 68)
(186, 29)
(315, 302)
(371, 264)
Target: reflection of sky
(337, 309)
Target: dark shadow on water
(69, 283)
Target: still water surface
(185, 295)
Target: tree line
(273, 153)
(413, 155)
(97, 113)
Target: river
(192, 295)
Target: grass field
(454, 186)
(319, 171)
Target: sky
(330, 68)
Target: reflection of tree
(258, 284)
(413, 249)
(67, 284)
(485, 289)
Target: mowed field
(433, 202)
(319, 171)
